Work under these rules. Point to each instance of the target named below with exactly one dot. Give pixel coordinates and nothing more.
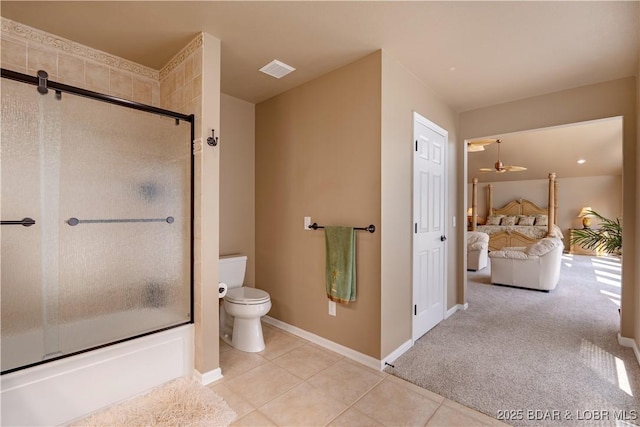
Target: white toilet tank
(232, 269)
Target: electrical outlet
(332, 308)
(307, 223)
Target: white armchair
(535, 267)
(477, 250)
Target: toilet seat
(247, 296)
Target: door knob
(443, 238)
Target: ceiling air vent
(277, 69)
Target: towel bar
(371, 228)
(75, 221)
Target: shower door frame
(42, 87)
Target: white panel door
(429, 201)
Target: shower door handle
(26, 222)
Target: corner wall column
(206, 222)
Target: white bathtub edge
(61, 391)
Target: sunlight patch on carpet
(623, 379)
(182, 402)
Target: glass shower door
(108, 257)
(125, 214)
(29, 155)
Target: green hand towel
(341, 264)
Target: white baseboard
(328, 344)
(628, 342)
(396, 353)
(208, 377)
(456, 308)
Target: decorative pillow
(509, 220)
(526, 220)
(494, 219)
(542, 220)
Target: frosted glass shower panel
(29, 151)
(125, 180)
(108, 256)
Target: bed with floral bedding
(520, 222)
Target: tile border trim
(181, 56)
(32, 35)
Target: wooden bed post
(555, 202)
(551, 206)
(489, 200)
(474, 205)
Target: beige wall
(318, 155)
(297, 175)
(602, 193)
(637, 277)
(608, 99)
(402, 94)
(237, 181)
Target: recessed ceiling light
(452, 68)
(277, 69)
(581, 161)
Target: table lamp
(586, 216)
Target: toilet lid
(247, 295)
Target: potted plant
(607, 238)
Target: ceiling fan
(479, 144)
(500, 167)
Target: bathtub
(63, 390)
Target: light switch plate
(307, 223)
(332, 308)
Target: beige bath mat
(182, 402)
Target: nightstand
(579, 250)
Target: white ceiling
(471, 54)
(556, 149)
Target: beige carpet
(182, 402)
(533, 358)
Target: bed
(520, 222)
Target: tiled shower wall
(27, 50)
(181, 80)
(177, 86)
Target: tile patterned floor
(297, 383)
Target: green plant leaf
(607, 238)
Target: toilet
(242, 307)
